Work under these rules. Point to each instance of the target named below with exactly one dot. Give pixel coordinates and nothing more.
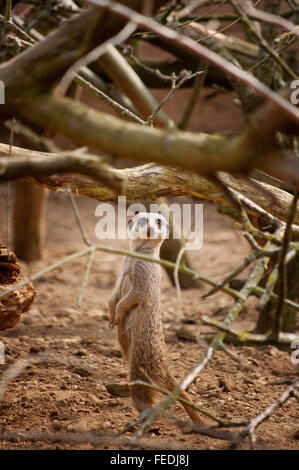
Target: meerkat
(135, 310)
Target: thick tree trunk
(29, 215)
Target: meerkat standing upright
(135, 309)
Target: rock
(82, 371)
(119, 390)
(187, 333)
(189, 321)
(81, 353)
(88, 340)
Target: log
(29, 215)
(144, 182)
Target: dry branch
(206, 153)
(269, 411)
(75, 38)
(33, 163)
(246, 336)
(139, 183)
(127, 80)
(255, 146)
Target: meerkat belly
(147, 344)
(124, 330)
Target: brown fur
(135, 309)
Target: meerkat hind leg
(142, 397)
(130, 427)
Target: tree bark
(29, 220)
(266, 317)
(143, 182)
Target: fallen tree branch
(248, 337)
(33, 163)
(149, 182)
(206, 153)
(94, 438)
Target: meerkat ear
(130, 224)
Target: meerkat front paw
(112, 309)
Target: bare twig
(115, 105)
(282, 268)
(267, 17)
(262, 40)
(85, 278)
(156, 387)
(128, 51)
(199, 50)
(250, 429)
(129, 82)
(198, 84)
(8, 206)
(188, 76)
(77, 161)
(272, 279)
(193, 5)
(248, 337)
(78, 218)
(93, 55)
(246, 262)
(107, 249)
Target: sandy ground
(66, 391)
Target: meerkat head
(152, 227)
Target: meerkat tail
(192, 412)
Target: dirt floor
(66, 390)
